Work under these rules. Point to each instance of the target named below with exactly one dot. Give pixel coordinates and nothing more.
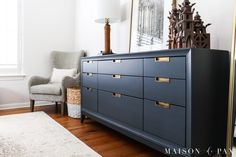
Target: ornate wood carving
(186, 31)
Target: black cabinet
(121, 66)
(126, 109)
(171, 67)
(128, 85)
(89, 100)
(89, 66)
(171, 100)
(90, 80)
(165, 122)
(170, 90)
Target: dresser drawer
(122, 108)
(164, 89)
(89, 99)
(122, 67)
(167, 123)
(127, 85)
(89, 80)
(90, 66)
(173, 67)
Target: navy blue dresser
(172, 100)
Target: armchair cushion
(47, 89)
(59, 74)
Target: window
(10, 47)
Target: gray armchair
(41, 89)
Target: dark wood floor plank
(103, 140)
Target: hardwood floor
(103, 140)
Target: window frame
(18, 71)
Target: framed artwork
(147, 25)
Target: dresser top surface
(176, 52)
(157, 53)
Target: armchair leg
(63, 105)
(56, 106)
(32, 105)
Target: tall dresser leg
(82, 118)
(32, 105)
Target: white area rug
(38, 135)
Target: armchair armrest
(37, 80)
(68, 82)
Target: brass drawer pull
(89, 74)
(116, 76)
(162, 80)
(162, 59)
(89, 62)
(162, 104)
(117, 95)
(116, 61)
(89, 89)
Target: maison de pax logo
(197, 151)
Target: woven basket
(73, 96)
(73, 102)
(73, 110)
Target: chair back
(66, 60)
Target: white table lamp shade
(107, 9)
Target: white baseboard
(22, 105)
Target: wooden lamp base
(106, 53)
(107, 32)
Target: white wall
(89, 35)
(47, 25)
(220, 14)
